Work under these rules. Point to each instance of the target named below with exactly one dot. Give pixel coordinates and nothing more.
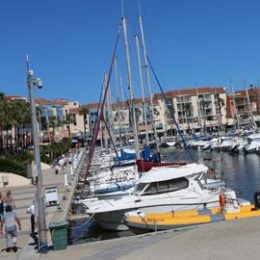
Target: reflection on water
(240, 172)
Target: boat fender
(257, 199)
(222, 200)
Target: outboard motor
(257, 199)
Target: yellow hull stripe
(191, 217)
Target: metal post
(148, 79)
(142, 86)
(42, 230)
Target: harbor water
(241, 172)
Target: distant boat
(253, 143)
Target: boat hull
(115, 220)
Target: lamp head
(39, 83)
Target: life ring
(222, 200)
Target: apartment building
(194, 109)
(244, 107)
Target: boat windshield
(140, 187)
(153, 188)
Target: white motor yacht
(161, 189)
(225, 143)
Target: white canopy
(172, 172)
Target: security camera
(39, 83)
(30, 72)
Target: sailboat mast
(129, 72)
(148, 78)
(119, 98)
(141, 85)
(253, 124)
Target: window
(151, 189)
(164, 186)
(140, 187)
(178, 184)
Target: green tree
(220, 103)
(138, 113)
(188, 113)
(3, 117)
(53, 122)
(21, 120)
(84, 112)
(69, 119)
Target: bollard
(66, 179)
(71, 170)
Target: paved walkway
(239, 239)
(24, 196)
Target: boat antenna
(139, 7)
(122, 8)
(27, 62)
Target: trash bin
(59, 234)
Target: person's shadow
(35, 240)
(11, 249)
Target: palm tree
(69, 119)
(2, 117)
(53, 122)
(21, 115)
(119, 116)
(188, 114)
(138, 113)
(13, 116)
(220, 103)
(7, 120)
(84, 111)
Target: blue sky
(70, 43)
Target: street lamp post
(42, 230)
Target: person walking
(62, 163)
(9, 200)
(31, 211)
(1, 206)
(10, 222)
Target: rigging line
(91, 145)
(110, 135)
(171, 109)
(90, 156)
